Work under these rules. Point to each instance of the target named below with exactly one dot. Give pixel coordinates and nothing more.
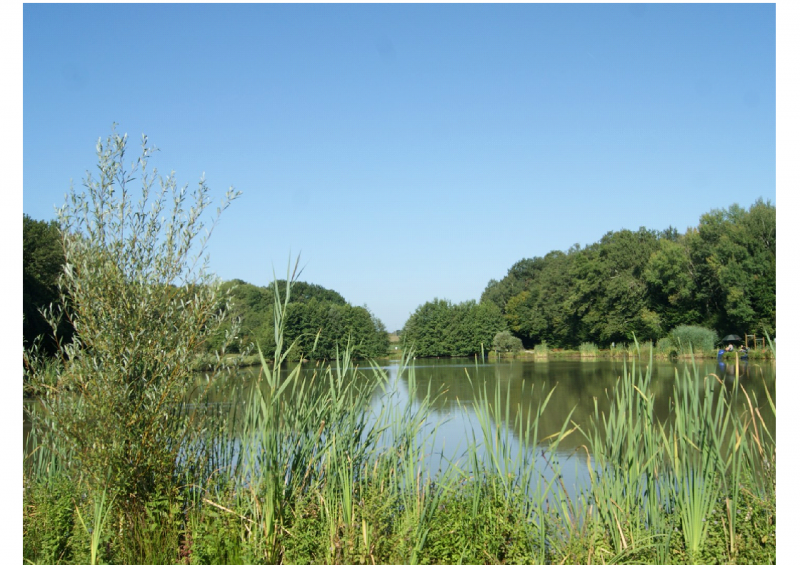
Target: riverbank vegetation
(129, 460)
(318, 477)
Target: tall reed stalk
(649, 476)
(102, 509)
(627, 468)
(509, 466)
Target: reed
(102, 508)
(509, 467)
(626, 470)
(541, 350)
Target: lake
(578, 385)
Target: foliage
(318, 319)
(735, 254)
(310, 470)
(135, 289)
(48, 518)
(719, 275)
(666, 347)
(42, 264)
(588, 349)
(695, 337)
(505, 342)
(441, 328)
(464, 533)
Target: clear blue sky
(412, 151)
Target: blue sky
(411, 151)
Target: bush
(505, 342)
(665, 347)
(699, 338)
(48, 521)
(541, 349)
(136, 290)
(588, 349)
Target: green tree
(611, 295)
(671, 277)
(443, 329)
(42, 264)
(425, 327)
(720, 275)
(247, 306)
(542, 309)
(734, 251)
(317, 320)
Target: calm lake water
(577, 384)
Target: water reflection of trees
(578, 385)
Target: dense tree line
(719, 275)
(441, 328)
(318, 320)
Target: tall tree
(735, 253)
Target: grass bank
(634, 351)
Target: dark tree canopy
(316, 315)
(42, 264)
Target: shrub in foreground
(136, 289)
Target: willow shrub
(505, 342)
(136, 289)
(695, 337)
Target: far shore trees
(719, 275)
(318, 320)
(443, 329)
